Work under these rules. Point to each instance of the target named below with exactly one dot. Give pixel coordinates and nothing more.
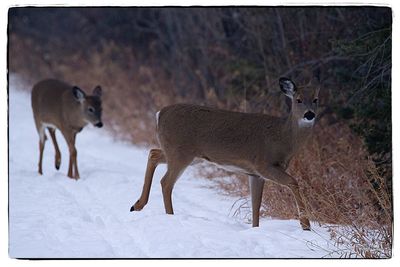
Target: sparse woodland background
(232, 58)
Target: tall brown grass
(340, 184)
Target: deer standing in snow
(258, 145)
(58, 105)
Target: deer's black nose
(309, 115)
(99, 124)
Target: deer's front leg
(256, 184)
(72, 169)
(76, 172)
(278, 175)
(72, 162)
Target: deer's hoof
(138, 206)
(305, 224)
(74, 178)
(57, 165)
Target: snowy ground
(54, 216)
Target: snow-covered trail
(54, 216)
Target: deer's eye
(315, 101)
(90, 109)
(299, 101)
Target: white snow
(52, 216)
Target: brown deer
(258, 145)
(58, 105)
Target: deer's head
(90, 105)
(304, 100)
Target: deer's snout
(99, 124)
(309, 115)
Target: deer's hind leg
(176, 165)
(57, 163)
(42, 141)
(156, 156)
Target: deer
(258, 145)
(58, 105)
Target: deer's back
(48, 98)
(214, 133)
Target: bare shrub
(369, 234)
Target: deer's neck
(73, 116)
(298, 131)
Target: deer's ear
(97, 91)
(78, 93)
(288, 87)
